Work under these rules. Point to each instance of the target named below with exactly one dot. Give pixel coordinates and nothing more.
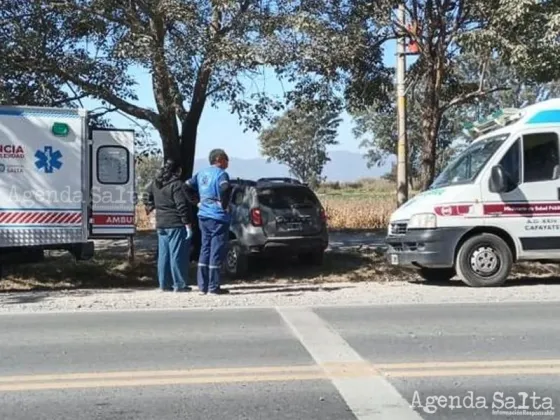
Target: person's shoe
(202, 293)
(219, 291)
(184, 289)
(165, 289)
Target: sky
(219, 128)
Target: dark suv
(273, 216)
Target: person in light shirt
(212, 187)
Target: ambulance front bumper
(428, 248)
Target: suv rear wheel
(236, 261)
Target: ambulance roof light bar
(500, 118)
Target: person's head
(169, 170)
(219, 158)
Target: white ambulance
(62, 183)
(495, 204)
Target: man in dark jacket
(168, 197)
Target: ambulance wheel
(236, 261)
(437, 275)
(484, 260)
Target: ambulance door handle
(558, 192)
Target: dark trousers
(173, 258)
(214, 238)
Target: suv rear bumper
(287, 245)
(428, 248)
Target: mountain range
(344, 166)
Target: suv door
(530, 211)
(290, 210)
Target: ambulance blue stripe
(19, 112)
(543, 117)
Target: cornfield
(362, 211)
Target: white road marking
(369, 397)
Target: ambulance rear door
(113, 196)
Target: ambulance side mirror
(498, 180)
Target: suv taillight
(256, 217)
(323, 215)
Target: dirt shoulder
(351, 274)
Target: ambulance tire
(484, 260)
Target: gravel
(269, 295)
(280, 293)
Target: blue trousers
(173, 258)
(214, 237)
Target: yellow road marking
(475, 372)
(276, 373)
(159, 373)
(158, 381)
(223, 372)
(465, 364)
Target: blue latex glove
(189, 232)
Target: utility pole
(402, 149)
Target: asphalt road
(287, 363)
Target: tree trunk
(188, 146)
(169, 133)
(431, 120)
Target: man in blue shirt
(212, 187)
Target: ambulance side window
(540, 156)
(511, 162)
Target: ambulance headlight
(422, 221)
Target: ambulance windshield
(465, 167)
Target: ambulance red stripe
(47, 217)
(523, 209)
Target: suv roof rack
(280, 179)
(242, 181)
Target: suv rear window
(287, 197)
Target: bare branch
(100, 92)
(105, 111)
(461, 99)
(72, 99)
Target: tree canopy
(196, 52)
(300, 137)
(523, 35)
(201, 53)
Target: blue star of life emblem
(48, 160)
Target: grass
(60, 271)
(110, 269)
